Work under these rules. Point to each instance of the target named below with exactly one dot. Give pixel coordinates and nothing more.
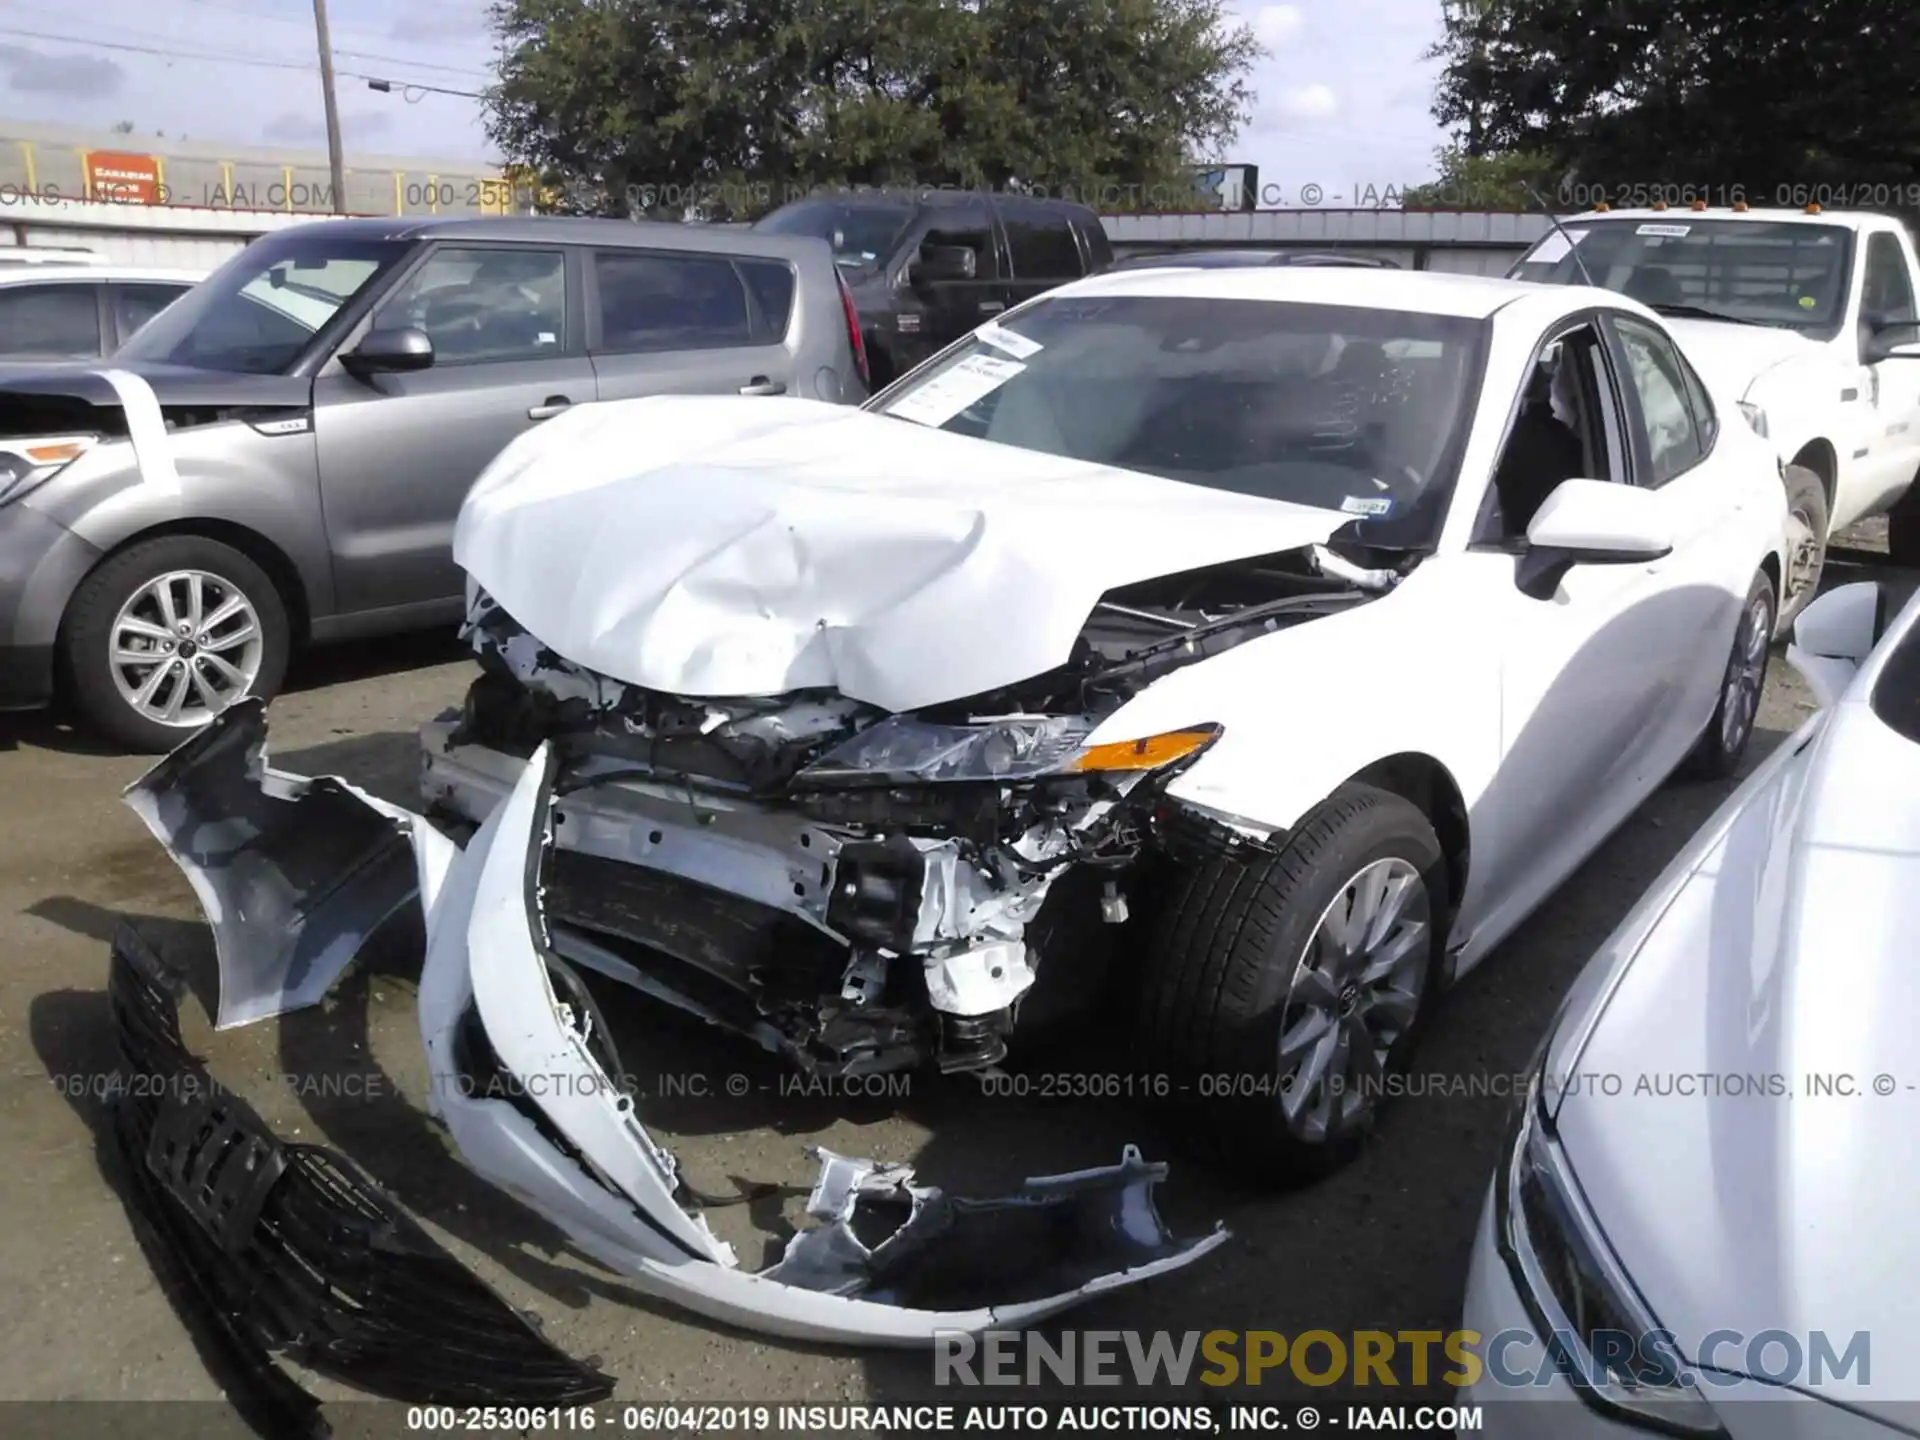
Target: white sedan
(1295, 633)
(1709, 1196)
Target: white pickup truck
(1809, 318)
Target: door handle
(553, 406)
(761, 385)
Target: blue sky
(1342, 99)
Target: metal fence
(237, 177)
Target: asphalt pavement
(1381, 1246)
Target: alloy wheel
(185, 646)
(1356, 991)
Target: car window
(1360, 410)
(1887, 293)
(1787, 273)
(55, 321)
(478, 304)
(771, 282)
(1673, 440)
(862, 232)
(261, 311)
(134, 305)
(655, 301)
(1042, 246)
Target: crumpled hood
(720, 546)
(1734, 356)
(1742, 1187)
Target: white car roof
(1426, 292)
(63, 274)
(1681, 215)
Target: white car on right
(1809, 317)
(1708, 1205)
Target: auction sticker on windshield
(1678, 232)
(936, 401)
(1018, 346)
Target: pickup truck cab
(1809, 317)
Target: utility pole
(334, 161)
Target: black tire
(1721, 747)
(1219, 976)
(1903, 529)
(86, 635)
(1806, 505)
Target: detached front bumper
(528, 1084)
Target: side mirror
(1833, 635)
(943, 265)
(1894, 340)
(1592, 522)
(381, 351)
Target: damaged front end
(852, 889)
(536, 1098)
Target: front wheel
(1723, 743)
(167, 634)
(1808, 519)
(1286, 992)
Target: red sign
(129, 179)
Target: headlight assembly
(902, 750)
(1583, 1303)
(25, 464)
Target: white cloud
(1307, 102)
(1275, 25)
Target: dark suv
(927, 267)
(281, 454)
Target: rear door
(1043, 249)
(51, 322)
(663, 322)
(398, 452)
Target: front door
(398, 452)
(1892, 437)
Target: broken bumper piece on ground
(501, 1005)
(280, 1249)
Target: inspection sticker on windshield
(1018, 346)
(1676, 231)
(1369, 505)
(938, 400)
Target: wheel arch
(1427, 785)
(278, 565)
(1820, 456)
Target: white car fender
(1283, 750)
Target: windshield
(1765, 272)
(862, 232)
(1350, 409)
(258, 313)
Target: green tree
(1504, 181)
(1712, 94)
(728, 107)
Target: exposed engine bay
(850, 888)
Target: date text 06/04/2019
(1059, 1418)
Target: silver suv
(279, 456)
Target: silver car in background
(1709, 1200)
(278, 457)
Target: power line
(378, 82)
